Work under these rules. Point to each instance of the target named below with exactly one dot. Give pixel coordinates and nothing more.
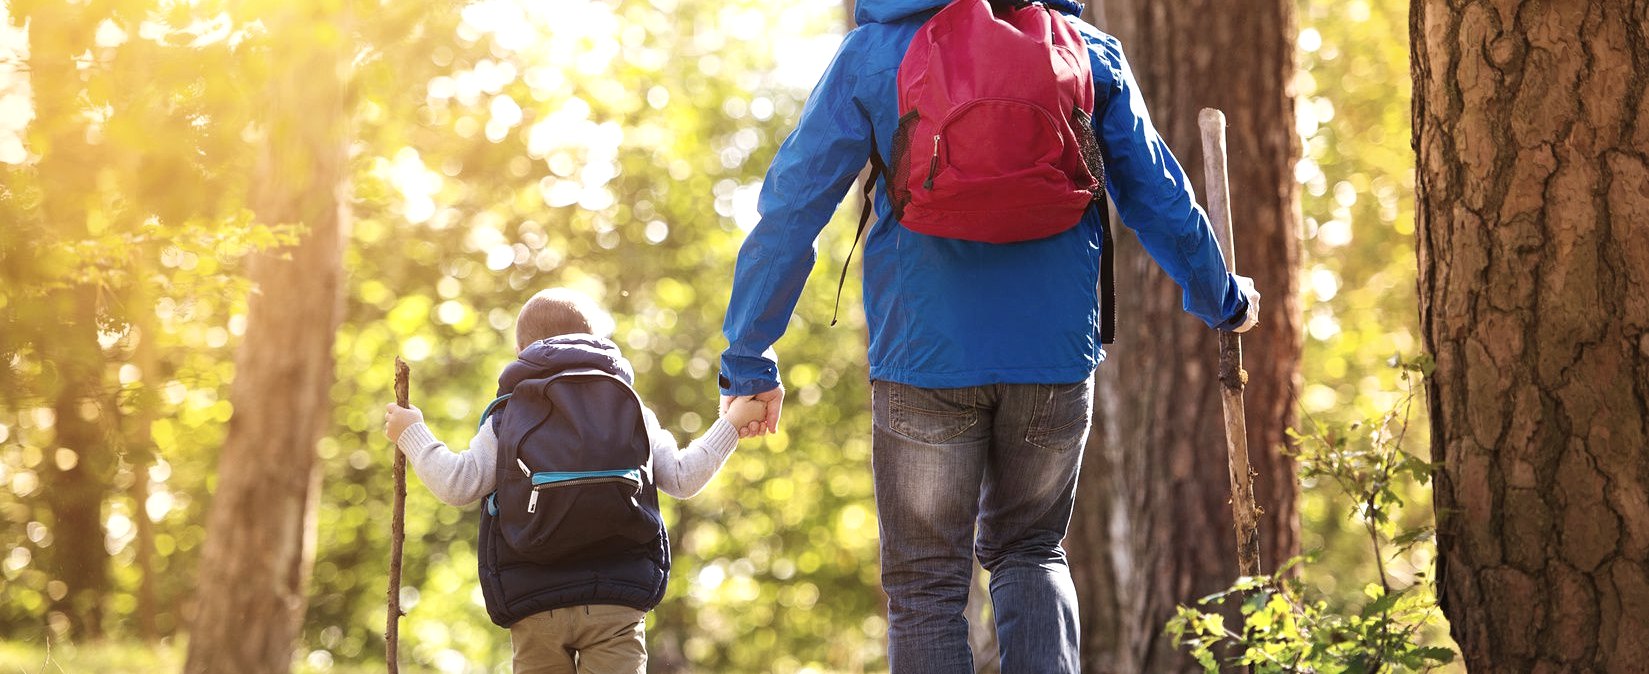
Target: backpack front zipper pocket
(557, 479)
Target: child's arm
(683, 472)
(456, 479)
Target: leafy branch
(1284, 629)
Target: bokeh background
(502, 146)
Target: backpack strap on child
(491, 408)
(491, 502)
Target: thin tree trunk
(79, 465)
(147, 609)
(1531, 127)
(140, 450)
(260, 532)
(1153, 524)
(78, 468)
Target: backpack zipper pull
(524, 470)
(532, 502)
(933, 164)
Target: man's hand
(1252, 318)
(397, 419)
(774, 399)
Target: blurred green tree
(80, 464)
(260, 539)
(90, 217)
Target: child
(572, 578)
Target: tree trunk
(140, 451)
(79, 463)
(260, 532)
(78, 468)
(1153, 524)
(1532, 194)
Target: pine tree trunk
(79, 463)
(1531, 128)
(78, 467)
(261, 529)
(1153, 524)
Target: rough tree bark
(1153, 524)
(1532, 133)
(260, 532)
(79, 464)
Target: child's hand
(398, 419)
(744, 410)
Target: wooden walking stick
(397, 534)
(1245, 513)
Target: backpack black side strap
(877, 169)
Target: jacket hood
(547, 357)
(887, 11)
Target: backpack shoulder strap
(593, 372)
(492, 407)
(877, 169)
(1107, 275)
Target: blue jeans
(1001, 456)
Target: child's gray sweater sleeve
(459, 478)
(683, 472)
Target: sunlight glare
(1323, 326)
(415, 181)
(1310, 40)
(109, 34)
(118, 532)
(1336, 232)
(1324, 284)
(745, 213)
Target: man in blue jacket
(981, 355)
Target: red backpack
(995, 141)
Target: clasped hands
(755, 414)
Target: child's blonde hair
(560, 311)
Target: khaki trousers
(594, 639)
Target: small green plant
(1285, 627)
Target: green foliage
(1284, 631)
(125, 657)
(1359, 270)
(1288, 627)
(106, 658)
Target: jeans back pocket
(932, 416)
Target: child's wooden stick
(397, 529)
(1244, 511)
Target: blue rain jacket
(947, 313)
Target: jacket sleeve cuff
(748, 375)
(416, 440)
(1236, 318)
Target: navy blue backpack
(575, 518)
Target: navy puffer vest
(575, 518)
